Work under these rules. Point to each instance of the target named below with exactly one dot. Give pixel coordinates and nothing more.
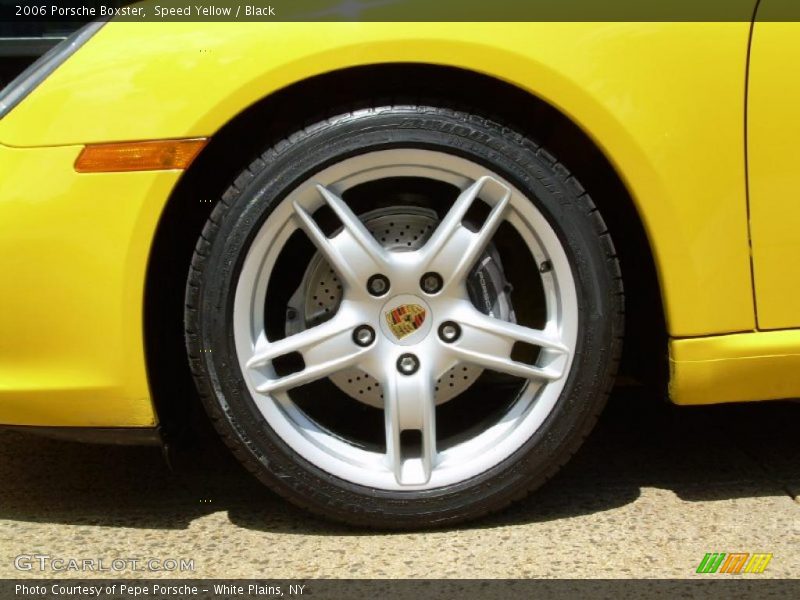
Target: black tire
(262, 186)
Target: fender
(671, 124)
(663, 101)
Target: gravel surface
(653, 490)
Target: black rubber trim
(116, 436)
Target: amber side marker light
(157, 155)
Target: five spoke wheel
(418, 302)
(404, 316)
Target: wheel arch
(278, 114)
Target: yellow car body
(700, 126)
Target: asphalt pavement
(654, 488)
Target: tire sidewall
(291, 162)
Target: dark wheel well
(275, 117)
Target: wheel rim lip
(324, 449)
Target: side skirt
(740, 367)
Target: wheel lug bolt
(363, 335)
(431, 283)
(378, 285)
(407, 364)
(449, 331)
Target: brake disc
(398, 229)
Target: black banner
(713, 586)
(66, 11)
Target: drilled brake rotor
(317, 299)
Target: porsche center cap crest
(405, 319)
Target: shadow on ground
(699, 453)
